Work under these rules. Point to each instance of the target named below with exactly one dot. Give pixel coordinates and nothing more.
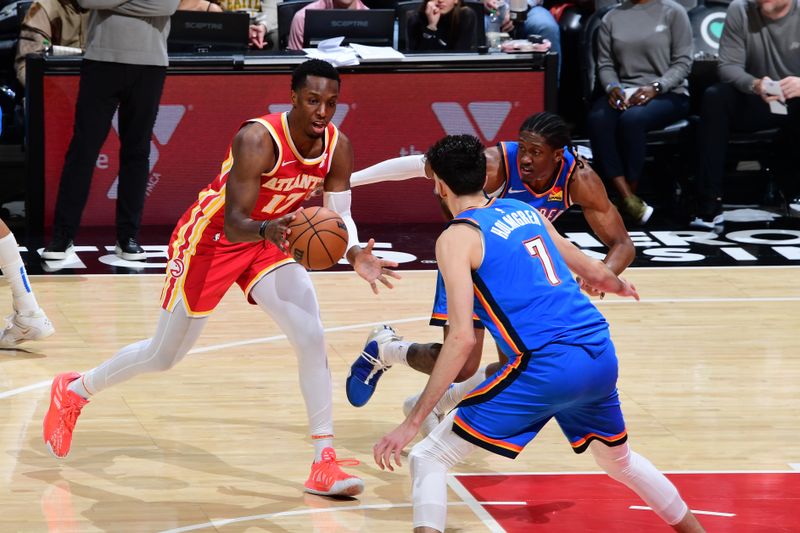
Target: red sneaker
(65, 406)
(327, 479)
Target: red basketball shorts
(202, 267)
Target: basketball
(318, 238)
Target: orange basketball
(318, 238)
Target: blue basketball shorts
(576, 385)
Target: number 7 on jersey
(537, 248)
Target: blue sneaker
(368, 368)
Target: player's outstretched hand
(373, 268)
(276, 230)
(627, 289)
(392, 444)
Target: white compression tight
(175, 335)
(287, 295)
(430, 460)
(442, 449)
(639, 475)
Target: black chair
(286, 12)
(407, 8)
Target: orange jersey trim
(494, 442)
(613, 438)
(263, 273)
(276, 139)
(496, 381)
(500, 326)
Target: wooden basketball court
(710, 367)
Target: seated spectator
(299, 20)
(644, 56)
(760, 43)
(263, 20)
(50, 22)
(199, 5)
(442, 25)
(538, 21)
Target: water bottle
(494, 35)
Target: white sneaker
(28, 326)
(430, 422)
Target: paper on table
(376, 52)
(330, 50)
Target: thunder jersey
(555, 199)
(524, 293)
(284, 187)
(551, 203)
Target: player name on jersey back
(512, 221)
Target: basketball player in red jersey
(236, 233)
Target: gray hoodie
(133, 32)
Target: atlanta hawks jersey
(203, 263)
(554, 200)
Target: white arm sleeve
(340, 202)
(397, 169)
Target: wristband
(263, 229)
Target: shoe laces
(69, 414)
(377, 364)
(329, 461)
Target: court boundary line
(299, 512)
(601, 473)
(468, 500)
(334, 329)
(222, 346)
(474, 505)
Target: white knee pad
(639, 475)
(430, 460)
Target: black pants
(104, 87)
(726, 109)
(619, 138)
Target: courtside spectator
(442, 25)
(759, 66)
(263, 20)
(199, 5)
(538, 21)
(123, 71)
(299, 20)
(644, 56)
(50, 22)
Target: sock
(78, 386)
(457, 391)
(395, 352)
(14, 271)
(320, 443)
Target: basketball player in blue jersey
(540, 169)
(502, 260)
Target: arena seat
(286, 11)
